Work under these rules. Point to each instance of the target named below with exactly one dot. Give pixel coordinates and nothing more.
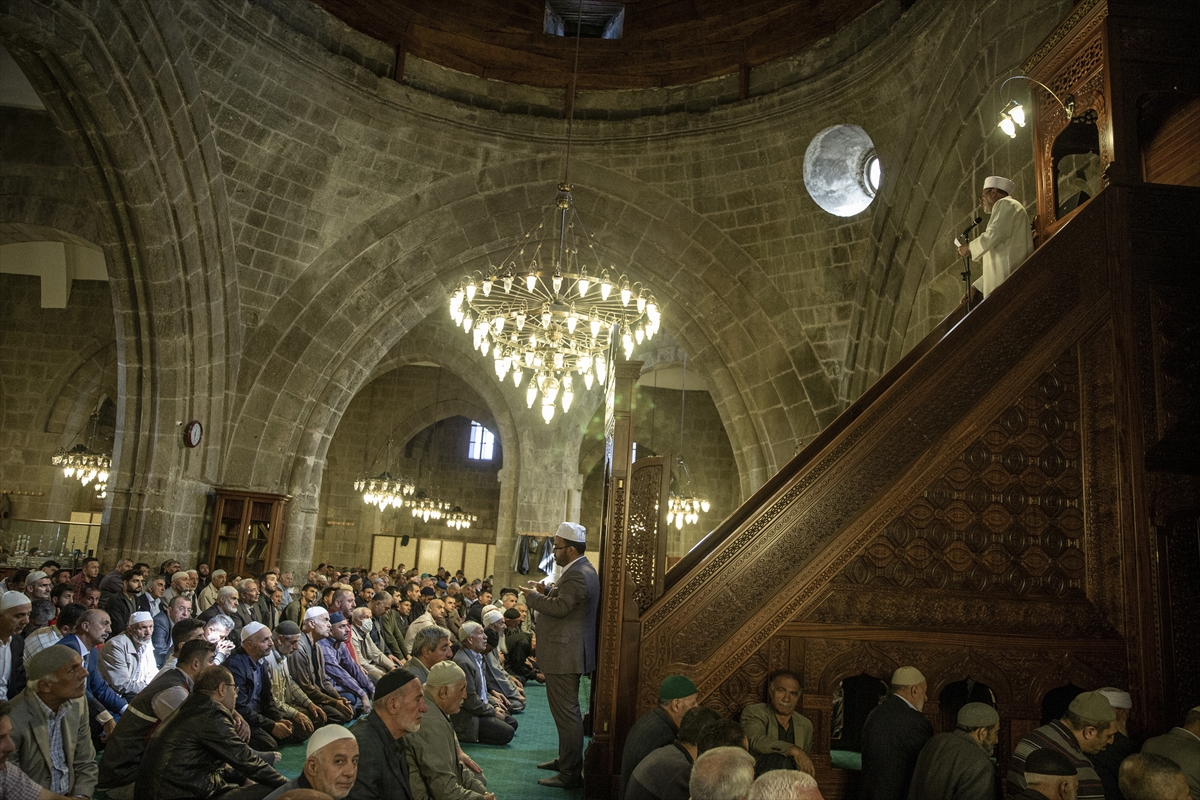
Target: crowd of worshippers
(189, 681)
(681, 750)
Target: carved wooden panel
(642, 563)
(1006, 517)
(1176, 342)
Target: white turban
(572, 532)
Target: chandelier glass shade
(550, 314)
(86, 465)
(459, 519)
(426, 508)
(683, 509)
(383, 490)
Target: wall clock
(192, 432)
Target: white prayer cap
(490, 618)
(35, 576)
(907, 676)
(227, 591)
(140, 616)
(572, 532)
(314, 612)
(251, 629)
(997, 182)
(1116, 697)
(445, 673)
(466, 629)
(179, 577)
(326, 735)
(14, 599)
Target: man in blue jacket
(91, 631)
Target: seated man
(479, 719)
(192, 753)
(385, 632)
(182, 632)
(217, 629)
(499, 681)
(397, 712)
(307, 665)
(64, 625)
(1087, 727)
(1145, 776)
(64, 762)
(330, 764)
(127, 745)
(430, 646)
(664, 774)
(13, 782)
(1049, 775)
(227, 606)
(287, 695)
(1181, 745)
(435, 614)
(519, 654)
(104, 705)
(14, 616)
(658, 727)
(776, 726)
(722, 772)
(127, 659)
(435, 769)
(39, 633)
(344, 673)
(370, 657)
(177, 609)
(268, 727)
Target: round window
(841, 170)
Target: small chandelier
(426, 508)
(85, 464)
(384, 491)
(1012, 115)
(684, 507)
(544, 311)
(459, 519)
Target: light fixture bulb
(487, 287)
(626, 293)
(517, 375)
(605, 288)
(548, 411)
(531, 393)
(508, 283)
(583, 285)
(470, 291)
(587, 380)
(530, 281)
(1006, 125)
(557, 281)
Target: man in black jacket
(255, 702)
(121, 605)
(892, 738)
(196, 752)
(397, 711)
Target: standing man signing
(1006, 242)
(567, 638)
(892, 737)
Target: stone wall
(281, 217)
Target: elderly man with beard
(127, 745)
(226, 605)
(343, 670)
(330, 765)
(208, 595)
(958, 765)
(287, 695)
(776, 726)
(50, 724)
(15, 608)
(893, 735)
(434, 765)
(499, 679)
(127, 659)
(192, 753)
(307, 665)
(397, 712)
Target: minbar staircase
(984, 512)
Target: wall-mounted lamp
(1013, 115)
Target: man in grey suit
(1182, 745)
(566, 635)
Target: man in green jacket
(776, 726)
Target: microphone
(971, 227)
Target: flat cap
(1093, 707)
(1049, 762)
(977, 715)
(48, 661)
(445, 673)
(676, 686)
(428, 591)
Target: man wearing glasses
(566, 631)
(188, 755)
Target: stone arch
(118, 80)
(77, 383)
(365, 292)
(927, 197)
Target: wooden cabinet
(248, 529)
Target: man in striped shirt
(1088, 727)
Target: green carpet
(511, 771)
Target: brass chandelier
(550, 311)
(685, 506)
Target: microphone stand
(966, 273)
